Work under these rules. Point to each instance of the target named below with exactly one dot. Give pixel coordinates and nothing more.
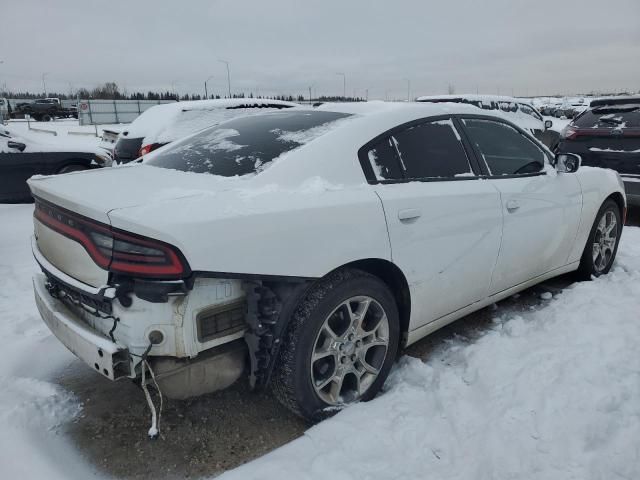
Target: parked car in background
(519, 112)
(22, 156)
(4, 109)
(270, 237)
(608, 135)
(45, 109)
(162, 124)
(548, 110)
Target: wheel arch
(395, 279)
(620, 201)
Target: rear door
(444, 222)
(541, 208)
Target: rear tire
(602, 244)
(339, 347)
(46, 117)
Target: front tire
(602, 244)
(339, 347)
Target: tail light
(569, 133)
(113, 249)
(146, 149)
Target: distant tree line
(111, 91)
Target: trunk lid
(93, 194)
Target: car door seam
(386, 224)
(502, 215)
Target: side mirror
(548, 124)
(16, 145)
(567, 162)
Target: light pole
(310, 87)
(228, 76)
(408, 89)
(206, 94)
(44, 84)
(344, 85)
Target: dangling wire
(153, 377)
(155, 418)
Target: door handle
(512, 206)
(409, 214)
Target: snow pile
(32, 408)
(551, 393)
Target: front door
(541, 207)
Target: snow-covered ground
(551, 393)
(32, 407)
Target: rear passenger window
(384, 161)
(432, 150)
(505, 150)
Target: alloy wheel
(604, 241)
(349, 350)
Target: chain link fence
(104, 112)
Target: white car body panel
(532, 243)
(449, 251)
(311, 211)
(596, 184)
(69, 255)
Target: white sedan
(314, 243)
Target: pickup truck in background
(44, 109)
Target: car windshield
(245, 145)
(613, 116)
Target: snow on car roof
(621, 100)
(170, 121)
(395, 111)
(37, 143)
(470, 97)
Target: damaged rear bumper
(99, 352)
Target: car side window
(431, 150)
(504, 149)
(529, 111)
(384, 160)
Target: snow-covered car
(319, 241)
(166, 123)
(22, 156)
(515, 110)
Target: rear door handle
(409, 214)
(512, 206)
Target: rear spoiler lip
(601, 102)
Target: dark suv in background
(608, 135)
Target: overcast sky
(284, 46)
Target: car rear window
(245, 145)
(614, 116)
